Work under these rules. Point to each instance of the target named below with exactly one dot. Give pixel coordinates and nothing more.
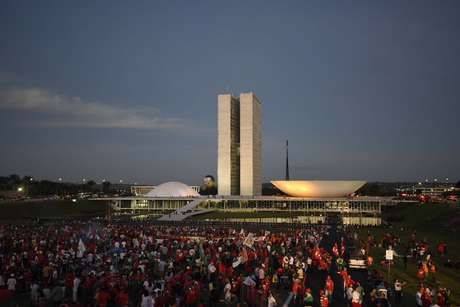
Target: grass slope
(430, 222)
(19, 211)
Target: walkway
(316, 279)
(184, 212)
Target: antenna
(287, 159)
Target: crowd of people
(420, 253)
(134, 264)
(94, 263)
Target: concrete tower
(239, 151)
(228, 145)
(250, 145)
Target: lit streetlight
(20, 189)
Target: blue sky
(122, 90)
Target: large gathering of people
(420, 253)
(95, 263)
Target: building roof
(318, 188)
(172, 189)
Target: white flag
(249, 240)
(81, 249)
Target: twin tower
(239, 145)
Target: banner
(249, 240)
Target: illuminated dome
(172, 189)
(318, 188)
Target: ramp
(184, 212)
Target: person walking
(398, 286)
(271, 301)
(418, 297)
(324, 302)
(355, 300)
(308, 298)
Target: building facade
(250, 145)
(141, 190)
(239, 145)
(354, 211)
(228, 145)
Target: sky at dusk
(128, 90)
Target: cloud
(67, 111)
(6, 77)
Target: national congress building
(239, 167)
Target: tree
(106, 187)
(15, 178)
(90, 185)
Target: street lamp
(20, 189)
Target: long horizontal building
(174, 201)
(177, 207)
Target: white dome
(172, 189)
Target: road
(316, 279)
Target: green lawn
(218, 215)
(21, 211)
(430, 223)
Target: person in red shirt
(329, 287)
(102, 298)
(370, 261)
(324, 302)
(421, 274)
(191, 296)
(296, 289)
(122, 298)
(442, 248)
(427, 298)
(335, 250)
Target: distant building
(426, 189)
(141, 190)
(239, 162)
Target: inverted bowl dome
(318, 188)
(172, 189)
